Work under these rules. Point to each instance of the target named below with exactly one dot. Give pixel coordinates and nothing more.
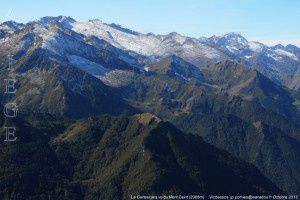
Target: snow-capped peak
(139, 43)
(176, 37)
(147, 44)
(236, 40)
(65, 21)
(235, 36)
(231, 42)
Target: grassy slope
(112, 157)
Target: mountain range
(279, 63)
(221, 100)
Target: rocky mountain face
(9, 27)
(175, 66)
(114, 157)
(239, 96)
(48, 64)
(222, 110)
(251, 85)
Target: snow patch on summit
(147, 44)
(139, 43)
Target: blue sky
(268, 21)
